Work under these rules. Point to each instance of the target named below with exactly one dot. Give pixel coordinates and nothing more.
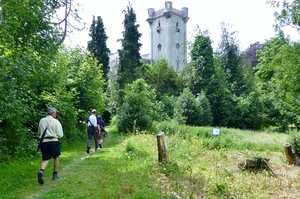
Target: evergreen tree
(129, 68)
(97, 46)
(231, 61)
(202, 64)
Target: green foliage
(231, 61)
(249, 108)
(28, 46)
(218, 142)
(133, 150)
(132, 169)
(86, 80)
(207, 118)
(295, 143)
(202, 65)
(276, 73)
(166, 107)
(288, 14)
(138, 110)
(97, 46)
(130, 66)
(166, 127)
(172, 169)
(188, 107)
(162, 77)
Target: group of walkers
(95, 129)
(50, 130)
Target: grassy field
(201, 166)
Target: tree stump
(163, 155)
(290, 155)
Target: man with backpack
(50, 130)
(92, 131)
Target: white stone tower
(168, 34)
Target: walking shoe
(40, 177)
(100, 145)
(55, 176)
(88, 150)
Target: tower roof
(167, 11)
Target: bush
(138, 110)
(295, 142)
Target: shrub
(295, 142)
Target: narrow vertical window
(158, 29)
(177, 65)
(159, 47)
(177, 27)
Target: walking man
(50, 147)
(101, 124)
(92, 131)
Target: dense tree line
(254, 89)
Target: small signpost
(216, 131)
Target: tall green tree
(269, 74)
(220, 97)
(202, 64)
(30, 35)
(130, 66)
(288, 82)
(97, 45)
(28, 41)
(231, 60)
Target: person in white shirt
(92, 131)
(50, 146)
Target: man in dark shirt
(101, 123)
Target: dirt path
(68, 168)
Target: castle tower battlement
(168, 34)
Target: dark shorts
(50, 150)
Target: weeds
(201, 166)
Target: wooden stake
(290, 155)
(163, 155)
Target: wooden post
(134, 126)
(163, 155)
(290, 155)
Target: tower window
(177, 65)
(177, 27)
(158, 29)
(177, 46)
(159, 47)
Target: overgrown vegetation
(216, 88)
(128, 167)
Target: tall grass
(201, 166)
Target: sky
(252, 19)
